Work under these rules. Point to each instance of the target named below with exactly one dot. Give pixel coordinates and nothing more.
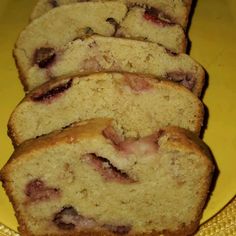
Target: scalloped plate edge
(6, 231)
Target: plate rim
(7, 231)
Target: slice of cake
(139, 105)
(88, 180)
(175, 11)
(98, 53)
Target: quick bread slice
(97, 53)
(38, 42)
(175, 11)
(138, 104)
(88, 180)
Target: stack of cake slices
(106, 138)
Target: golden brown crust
(8, 191)
(184, 45)
(10, 130)
(188, 4)
(11, 135)
(200, 83)
(189, 230)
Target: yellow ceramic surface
(213, 36)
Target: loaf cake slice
(98, 53)
(39, 41)
(88, 180)
(138, 104)
(175, 11)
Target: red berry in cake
(37, 190)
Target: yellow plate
(213, 35)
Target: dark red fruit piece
(52, 92)
(54, 3)
(156, 16)
(110, 133)
(36, 190)
(66, 219)
(118, 229)
(107, 170)
(113, 22)
(44, 56)
(185, 79)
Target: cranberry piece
(54, 3)
(52, 92)
(157, 16)
(66, 219)
(138, 83)
(118, 229)
(36, 190)
(107, 170)
(113, 22)
(44, 56)
(110, 133)
(185, 79)
(188, 82)
(173, 54)
(148, 144)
